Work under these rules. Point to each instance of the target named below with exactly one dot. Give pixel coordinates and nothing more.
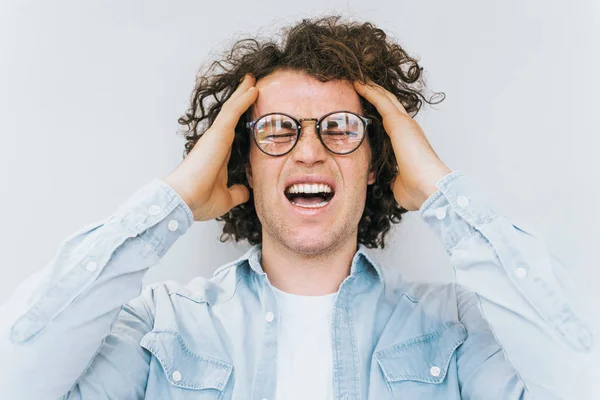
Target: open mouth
(308, 195)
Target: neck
(307, 274)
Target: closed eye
(281, 136)
(340, 133)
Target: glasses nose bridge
(308, 119)
(301, 147)
(301, 120)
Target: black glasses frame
(251, 125)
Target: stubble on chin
(279, 230)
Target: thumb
(239, 194)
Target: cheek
(354, 175)
(254, 170)
(361, 167)
(265, 171)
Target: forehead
(303, 96)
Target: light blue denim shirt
(512, 326)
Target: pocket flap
(182, 367)
(424, 358)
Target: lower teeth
(321, 204)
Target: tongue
(308, 201)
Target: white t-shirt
(304, 355)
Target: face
(308, 230)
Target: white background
(90, 93)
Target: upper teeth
(309, 188)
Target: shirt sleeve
(536, 306)
(54, 323)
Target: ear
(371, 178)
(249, 174)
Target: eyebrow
(304, 118)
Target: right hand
(201, 178)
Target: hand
(201, 178)
(419, 168)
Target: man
(305, 313)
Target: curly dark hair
(326, 48)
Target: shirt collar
(362, 262)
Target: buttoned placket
(266, 370)
(346, 365)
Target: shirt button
(176, 376)
(173, 224)
(435, 371)
(462, 201)
(520, 272)
(153, 210)
(440, 213)
(91, 266)
(270, 316)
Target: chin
(310, 242)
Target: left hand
(419, 168)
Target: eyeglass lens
(341, 132)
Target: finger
(219, 138)
(375, 95)
(233, 109)
(395, 101)
(216, 143)
(239, 194)
(246, 83)
(389, 94)
(228, 156)
(223, 171)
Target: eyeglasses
(341, 132)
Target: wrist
(178, 188)
(429, 186)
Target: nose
(309, 150)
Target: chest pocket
(426, 359)
(190, 375)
